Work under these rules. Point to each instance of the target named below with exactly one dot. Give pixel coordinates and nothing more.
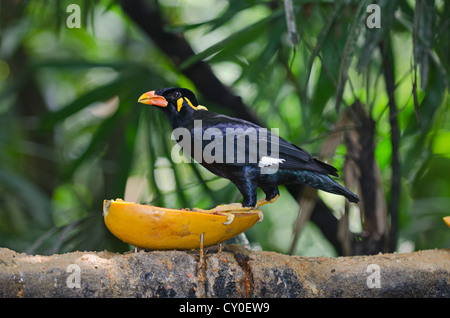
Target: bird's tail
(325, 183)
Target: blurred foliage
(72, 133)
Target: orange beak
(150, 98)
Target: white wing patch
(269, 161)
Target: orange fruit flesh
(159, 228)
(447, 220)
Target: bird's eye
(176, 95)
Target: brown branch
(389, 78)
(234, 272)
(362, 167)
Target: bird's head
(177, 103)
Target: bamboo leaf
(423, 35)
(150, 121)
(442, 43)
(432, 103)
(98, 140)
(231, 40)
(260, 63)
(37, 204)
(374, 36)
(126, 149)
(185, 27)
(181, 195)
(81, 64)
(234, 7)
(98, 94)
(349, 50)
(324, 34)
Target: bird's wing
(263, 147)
(296, 158)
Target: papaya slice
(447, 220)
(158, 228)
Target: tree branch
(389, 78)
(234, 272)
(360, 161)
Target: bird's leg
(247, 185)
(221, 210)
(232, 208)
(229, 210)
(265, 201)
(248, 189)
(272, 194)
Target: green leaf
(234, 7)
(185, 27)
(95, 146)
(81, 64)
(231, 40)
(375, 36)
(98, 94)
(164, 130)
(423, 35)
(149, 123)
(229, 13)
(260, 63)
(349, 50)
(35, 201)
(432, 103)
(325, 87)
(129, 125)
(324, 34)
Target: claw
(230, 218)
(264, 201)
(231, 207)
(229, 210)
(260, 215)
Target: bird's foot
(232, 208)
(264, 201)
(229, 210)
(230, 216)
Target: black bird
(243, 152)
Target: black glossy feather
(295, 158)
